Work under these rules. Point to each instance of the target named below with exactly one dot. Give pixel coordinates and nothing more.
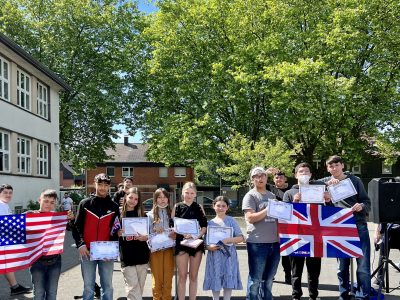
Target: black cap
(102, 178)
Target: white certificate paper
(186, 226)
(342, 190)
(312, 193)
(218, 233)
(104, 250)
(160, 241)
(280, 210)
(135, 226)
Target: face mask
(160, 206)
(304, 179)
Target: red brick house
(129, 160)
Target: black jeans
(287, 268)
(313, 269)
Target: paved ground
(71, 283)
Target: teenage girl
(186, 257)
(162, 262)
(134, 252)
(222, 265)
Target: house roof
(38, 65)
(131, 152)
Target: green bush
(76, 197)
(33, 205)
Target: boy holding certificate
(94, 222)
(360, 204)
(302, 172)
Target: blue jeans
(263, 263)
(106, 269)
(363, 269)
(45, 275)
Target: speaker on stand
(385, 208)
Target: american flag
(319, 231)
(26, 237)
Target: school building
(29, 123)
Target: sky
(148, 7)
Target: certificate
(186, 226)
(342, 190)
(312, 193)
(104, 250)
(160, 241)
(280, 210)
(135, 226)
(218, 233)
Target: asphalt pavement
(71, 283)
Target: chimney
(126, 140)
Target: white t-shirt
(4, 209)
(67, 203)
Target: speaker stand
(384, 265)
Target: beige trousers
(135, 278)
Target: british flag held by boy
(319, 231)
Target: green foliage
(244, 154)
(76, 197)
(96, 48)
(33, 205)
(321, 77)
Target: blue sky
(148, 7)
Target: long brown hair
(157, 193)
(138, 208)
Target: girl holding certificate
(222, 266)
(162, 262)
(134, 252)
(187, 257)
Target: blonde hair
(189, 185)
(138, 208)
(157, 193)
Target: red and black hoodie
(94, 220)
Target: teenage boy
(120, 194)
(6, 192)
(302, 173)
(94, 221)
(45, 272)
(262, 241)
(279, 188)
(360, 204)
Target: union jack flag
(319, 231)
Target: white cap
(257, 171)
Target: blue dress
(222, 272)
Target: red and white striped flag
(24, 238)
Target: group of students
(98, 214)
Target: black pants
(313, 269)
(287, 267)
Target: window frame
(176, 174)
(4, 151)
(24, 157)
(40, 101)
(110, 168)
(22, 91)
(130, 174)
(3, 80)
(42, 160)
(160, 169)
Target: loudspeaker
(385, 200)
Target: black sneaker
(20, 290)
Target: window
(163, 172)
(23, 90)
(386, 168)
(127, 172)
(42, 101)
(4, 152)
(356, 169)
(24, 155)
(42, 159)
(4, 79)
(180, 172)
(110, 171)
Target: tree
(319, 74)
(96, 48)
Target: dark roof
(132, 152)
(38, 65)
